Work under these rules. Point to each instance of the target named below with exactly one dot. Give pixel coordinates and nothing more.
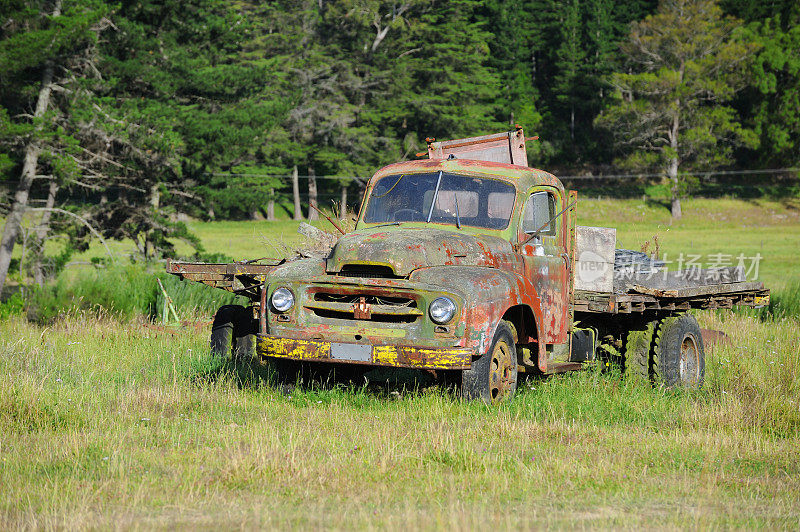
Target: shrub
(12, 306)
(782, 304)
(127, 291)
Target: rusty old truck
(470, 265)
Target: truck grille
(370, 307)
(371, 299)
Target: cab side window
(540, 208)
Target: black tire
(638, 347)
(678, 355)
(493, 376)
(233, 333)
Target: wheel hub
(501, 372)
(690, 360)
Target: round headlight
(282, 299)
(442, 310)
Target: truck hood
(405, 250)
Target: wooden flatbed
(701, 297)
(242, 278)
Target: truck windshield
(464, 200)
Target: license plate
(761, 300)
(352, 352)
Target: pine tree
(569, 82)
(207, 80)
(49, 44)
(514, 41)
(451, 86)
(772, 101)
(687, 62)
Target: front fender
(488, 294)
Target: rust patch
(362, 310)
(712, 338)
(382, 355)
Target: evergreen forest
(123, 118)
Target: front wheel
(493, 377)
(233, 333)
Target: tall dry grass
(115, 423)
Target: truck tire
(233, 333)
(678, 356)
(638, 345)
(493, 377)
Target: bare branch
(83, 221)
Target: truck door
(546, 259)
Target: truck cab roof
(521, 177)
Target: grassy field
(121, 423)
(107, 424)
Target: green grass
(121, 424)
(786, 303)
(123, 291)
(109, 420)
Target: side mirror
(537, 216)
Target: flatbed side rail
(240, 277)
(751, 295)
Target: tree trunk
(674, 160)
(14, 219)
(149, 248)
(343, 203)
(155, 197)
(312, 195)
(298, 213)
(155, 201)
(572, 123)
(676, 200)
(672, 169)
(41, 233)
(44, 224)
(271, 205)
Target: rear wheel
(678, 356)
(493, 377)
(638, 344)
(233, 333)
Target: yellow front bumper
(378, 355)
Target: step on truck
(469, 264)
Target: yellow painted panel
(383, 355)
